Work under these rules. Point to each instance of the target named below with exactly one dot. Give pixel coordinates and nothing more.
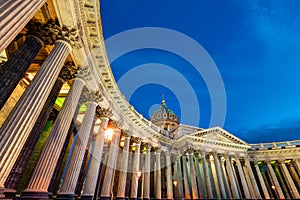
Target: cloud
(282, 131)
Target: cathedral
(67, 132)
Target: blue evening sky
(255, 45)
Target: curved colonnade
(74, 157)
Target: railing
(275, 145)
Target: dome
(164, 114)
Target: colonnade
(75, 161)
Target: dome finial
(163, 102)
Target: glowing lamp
(175, 183)
(109, 134)
(273, 187)
(139, 173)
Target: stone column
(91, 180)
(169, 176)
(219, 175)
(261, 180)
(185, 178)
(214, 176)
(233, 183)
(18, 125)
(106, 192)
(226, 182)
(135, 169)
(123, 168)
(243, 179)
(67, 190)
(147, 172)
(14, 15)
(16, 66)
(294, 173)
(157, 194)
(28, 148)
(42, 174)
(206, 176)
(297, 164)
(199, 178)
(179, 178)
(252, 178)
(193, 175)
(289, 180)
(275, 181)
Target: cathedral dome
(164, 115)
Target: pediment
(220, 134)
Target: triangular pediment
(219, 134)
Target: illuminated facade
(67, 131)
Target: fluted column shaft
(262, 182)
(233, 183)
(252, 178)
(275, 181)
(110, 165)
(158, 176)
(219, 175)
(147, 173)
(16, 66)
(91, 181)
(199, 179)
(214, 176)
(297, 164)
(179, 178)
(185, 179)
(294, 174)
(70, 180)
(18, 125)
(42, 174)
(206, 176)
(243, 179)
(226, 181)
(290, 181)
(169, 176)
(14, 15)
(25, 154)
(123, 169)
(135, 170)
(193, 177)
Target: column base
(30, 194)
(2, 189)
(10, 193)
(68, 196)
(105, 198)
(87, 197)
(121, 198)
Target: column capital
(246, 158)
(126, 133)
(69, 71)
(190, 150)
(90, 96)
(158, 151)
(203, 152)
(84, 73)
(50, 32)
(167, 153)
(215, 154)
(102, 112)
(137, 140)
(148, 145)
